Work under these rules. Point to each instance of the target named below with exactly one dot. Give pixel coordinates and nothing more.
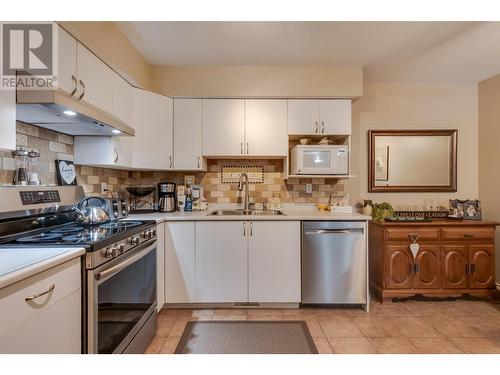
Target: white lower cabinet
(50, 323)
(274, 261)
(180, 262)
(221, 262)
(160, 266)
(244, 261)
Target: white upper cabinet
(67, 75)
(274, 261)
(95, 80)
(303, 116)
(223, 127)
(152, 119)
(221, 262)
(8, 119)
(320, 117)
(266, 127)
(188, 134)
(122, 99)
(335, 117)
(114, 152)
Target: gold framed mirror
(412, 160)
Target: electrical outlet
(309, 188)
(104, 187)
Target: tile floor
(446, 327)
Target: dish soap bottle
(188, 204)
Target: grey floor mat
(246, 337)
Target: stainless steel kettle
(91, 215)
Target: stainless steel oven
(121, 303)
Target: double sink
(246, 213)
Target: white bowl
(305, 141)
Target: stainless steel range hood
(46, 109)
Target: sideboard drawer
(468, 233)
(404, 234)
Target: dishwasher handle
(334, 231)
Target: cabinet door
(266, 127)
(303, 116)
(454, 263)
(152, 119)
(223, 127)
(122, 99)
(103, 151)
(66, 76)
(482, 266)
(97, 78)
(8, 119)
(221, 261)
(274, 261)
(54, 330)
(399, 267)
(160, 265)
(180, 262)
(335, 117)
(188, 134)
(427, 268)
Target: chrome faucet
(240, 188)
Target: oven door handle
(103, 275)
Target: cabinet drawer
(468, 233)
(13, 305)
(403, 234)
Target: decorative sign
(414, 246)
(230, 174)
(66, 173)
(416, 215)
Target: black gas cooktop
(73, 234)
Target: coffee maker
(166, 197)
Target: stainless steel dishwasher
(334, 263)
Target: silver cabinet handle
(34, 296)
(322, 127)
(248, 149)
(83, 92)
(334, 231)
(75, 85)
(251, 228)
(170, 157)
(198, 162)
(117, 155)
(316, 130)
(244, 229)
(241, 147)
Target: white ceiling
(389, 51)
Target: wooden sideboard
(455, 257)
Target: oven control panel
(39, 197)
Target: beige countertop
(19, 263)
(292, 213)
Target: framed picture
(382, 163)
(66, 173)
(466, 209)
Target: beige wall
(109, 43)
(416, 106)
(489, 151)
(258, 81)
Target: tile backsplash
(53, 145)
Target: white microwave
(320, 159)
